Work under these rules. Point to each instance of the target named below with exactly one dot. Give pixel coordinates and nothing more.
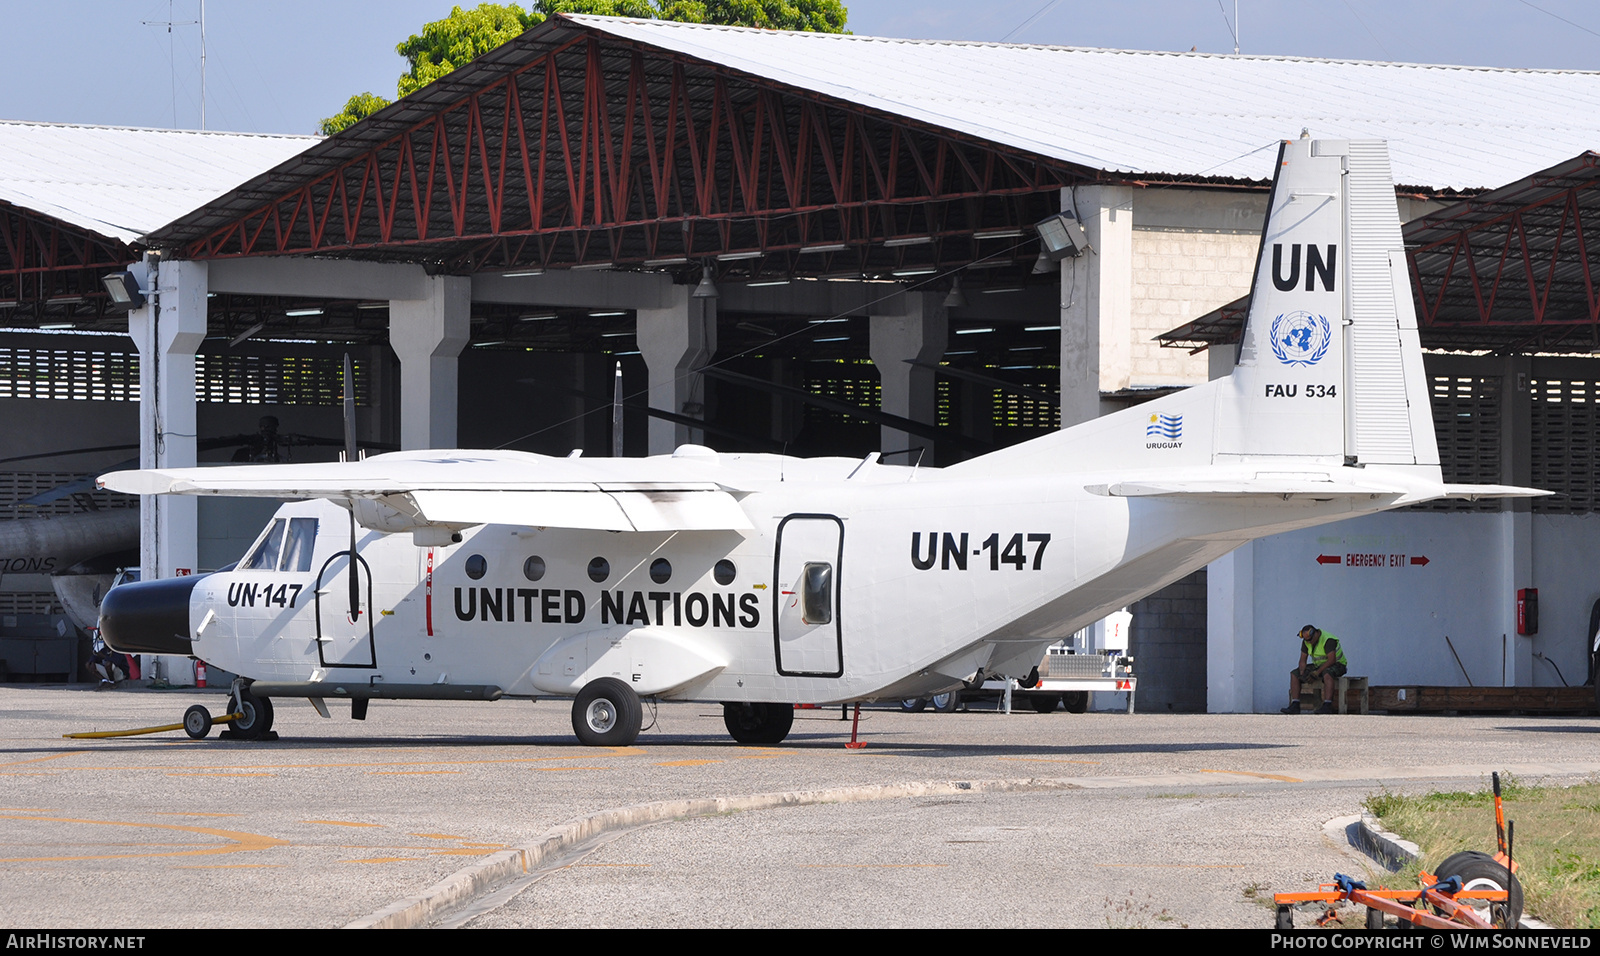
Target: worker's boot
(1326, 708)
(1293, 708)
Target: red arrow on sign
(1420, 559)
(1329, 559)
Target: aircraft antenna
(616, 413)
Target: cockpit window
(265, 555)
(297, 551)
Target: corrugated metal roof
(123, 182)
(1177, 114)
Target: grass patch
(1557, 841)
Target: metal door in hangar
(807, 633)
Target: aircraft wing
(413, 490)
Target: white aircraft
(762, 581)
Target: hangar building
(493, 247)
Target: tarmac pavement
(974, 819)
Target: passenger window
(265, 556)
(297, 552)
(816, 585)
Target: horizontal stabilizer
(1241, 488)
(1474, 492)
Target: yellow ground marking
(34, 760)
(554, 769)
(763, 753)
(1263, 776)
(343, 823)
(687, 763)
(872, 866)
(408, 773)
(240, 841)
(1092, 763)
(1180, 866)
(437, 836)
(628, 751)
(346, 766)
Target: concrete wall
(1168, 646)
(1393, 618)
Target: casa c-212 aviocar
(761, 581)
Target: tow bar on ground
(196, 723)
(1445, 898)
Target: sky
(280, 67)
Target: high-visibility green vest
(1317, 650)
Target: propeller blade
(350, 434)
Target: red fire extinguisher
(199, 673)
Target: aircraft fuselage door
(343, 639)
(808, 633)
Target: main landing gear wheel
(607, 713)
(1480, 871)
(1044, 705)
(197, 722)
(255, 715)
(914, 705)
(947, 702)
(758, 723)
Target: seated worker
(1321, 658)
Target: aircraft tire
(197, 722)
(914, 705)
(1076, 701)
(758, 723)
(257, 715)
(607, 713)
(947, 702)
(1044, 704)
(1480, 871)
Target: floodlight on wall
(955, 300)
(123, 289)
(1061, 237)
(706, 289)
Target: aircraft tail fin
(1329, 369)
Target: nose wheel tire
(197, 722)
(607, 713)
(255, 715)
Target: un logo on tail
(1300, 338)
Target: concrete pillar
(1230, 634)
(910, 391)
(1516, 527)
(676, 340)
(427, 335)
(1230, 608)
(167, 330)
(1097, 302)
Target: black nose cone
(148, 617)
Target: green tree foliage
(463, 36)
(447, 44)
(357, 108)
